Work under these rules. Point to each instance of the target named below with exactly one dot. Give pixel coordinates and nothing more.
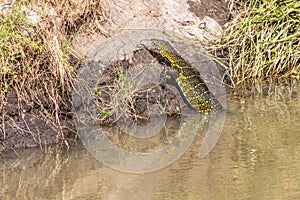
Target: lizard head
(159, 46)
(162, 46)
(166, 50)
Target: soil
(214, 9)
(139, 99)
(29, 129)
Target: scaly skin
(188, 79)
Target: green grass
(33, 64)
(263, 41)
(120, 95)
(35, 51)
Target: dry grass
(35, 53)
(122, 94)
(116, 98)
(262, 41)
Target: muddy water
(256, 157)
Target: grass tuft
(262, 41)
(35, 51)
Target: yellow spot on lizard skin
(189, 80)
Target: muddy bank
(137, 100)
(198, 20)
(30, 129)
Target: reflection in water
(256, 157)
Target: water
(256, 157)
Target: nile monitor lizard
(187, 77)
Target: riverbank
(38, 68)
(42, 45)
